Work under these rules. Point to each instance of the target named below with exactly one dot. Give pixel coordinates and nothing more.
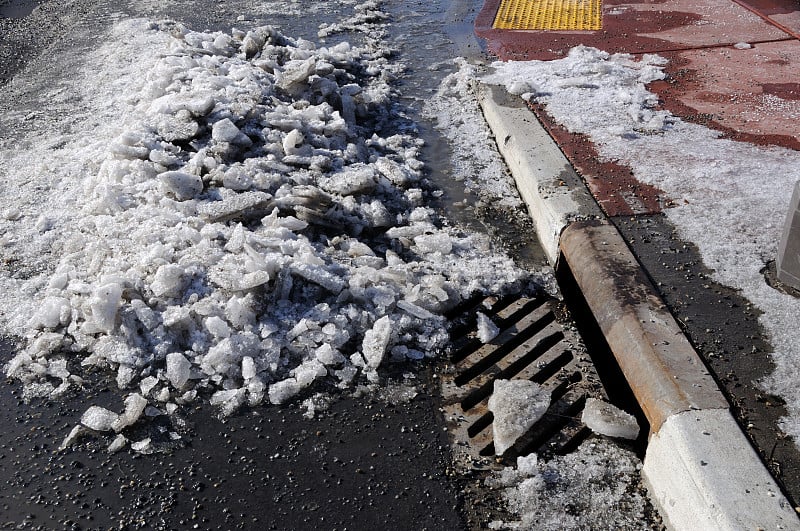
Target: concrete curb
(699, 466)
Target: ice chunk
(376, 341)
(327, 355)
(104, 303)
(147, 384)
(143, 447)
(181, 184)
(415, 310)
(293, 143)
(99, 418)
(319, 275)
(283, 391)
(742, 46)
(229, 400)
(241, 205)
(74, 434)
(487, 330)
(218, 327)
(434, 243)
(117, 444)
(248, 368)
(359, 180)
(53, 312)
(516, 405)
(308, 371)
(607, 419)
(178, 368)
(168, 281)
(225, 131)
(134, 407)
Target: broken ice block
(99, 418)
(607, 419)
(178, 369)
(180, 184)
(376, 341)
(516, 405)
(104, 303)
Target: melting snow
(595, 487)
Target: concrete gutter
(701, 471)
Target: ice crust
(594, 487)
(730, 198)
(248, 231)
(516, 405)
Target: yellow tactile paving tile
(549, 15)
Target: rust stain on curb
(665, 372)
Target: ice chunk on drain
(516, 405)
(606, 419)
(487, 330)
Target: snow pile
(731, 197)
(516, 406)
(247, 233)
(598, 483)
(607, 419)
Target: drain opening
(532, 344)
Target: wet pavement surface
(365, 463)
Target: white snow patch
(476, 161)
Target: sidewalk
(734, 67)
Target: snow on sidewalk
(731, 197)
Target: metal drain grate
(585, 15)
(531, 345)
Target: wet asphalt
(365, 463)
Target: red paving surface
(749, 94)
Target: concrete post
(788, 262)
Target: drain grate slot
(531, 345)
(514, 368)
(509, 340)
(504, 315)
(481, 424)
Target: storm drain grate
(580, 15)
(533, 345)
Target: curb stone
(700, 469)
